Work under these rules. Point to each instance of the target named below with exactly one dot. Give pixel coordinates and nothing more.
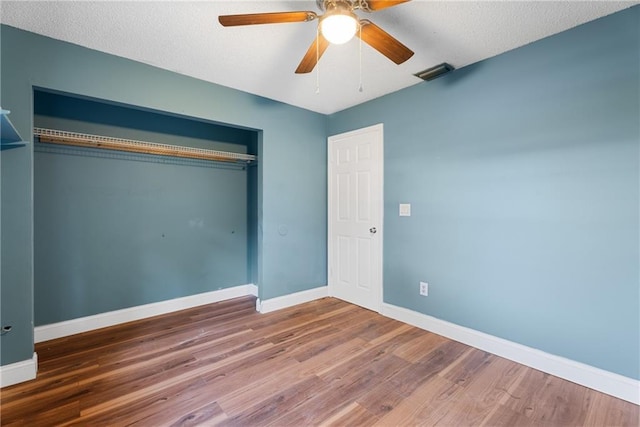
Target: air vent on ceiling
(434, 72)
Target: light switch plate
(405, 209)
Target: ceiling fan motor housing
(326, 5)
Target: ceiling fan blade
(383, 42)
(383, 4)
(313, 55)
(266, 18)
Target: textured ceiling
(185, 37)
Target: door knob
(373, 230)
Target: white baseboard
(111, 318)
(19, 372)
(290, 300)
(598, 379)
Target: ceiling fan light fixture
(338, 27)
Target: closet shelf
(60, 137)
(9, 135)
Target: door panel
(355, 216)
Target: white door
(355, 216)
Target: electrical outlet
(424, 289)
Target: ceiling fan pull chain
(360, 55)
(317, 59)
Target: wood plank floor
(321, 363)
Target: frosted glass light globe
(338, 28)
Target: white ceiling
(185, 37)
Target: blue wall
(523, 175)
(291, 175)
(115, 230)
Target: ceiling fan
(337, 25)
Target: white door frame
(378, 131)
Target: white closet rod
(108, 143)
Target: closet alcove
(116, 228)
